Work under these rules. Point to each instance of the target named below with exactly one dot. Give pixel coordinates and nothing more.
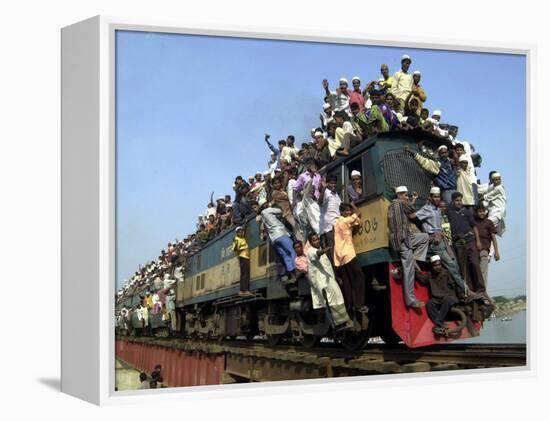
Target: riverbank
(509, 306)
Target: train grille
(401, 169)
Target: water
(497, 331)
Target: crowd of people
(309, 226)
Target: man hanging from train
(240, 247)
(444, 293)
(330, 211)
(467, 244)
(324, 288)
(431, 219)
(309, 183)
(411, 246)
(345, 258)
(271, 220)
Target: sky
(191, 113)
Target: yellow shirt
(240, 247)
(344, 251)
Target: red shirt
(357, 97)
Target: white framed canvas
(344, 143)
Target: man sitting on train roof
(376, 120)
(324, 288)
(271, 221)
(411, 246)
(444, 293)
(344, 134)
(339, 99)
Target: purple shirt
(304, 178)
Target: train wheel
(354, 341)
(309, 341)
(390, 337)
(274, 340)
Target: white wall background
(30, 210)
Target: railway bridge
(187, 362)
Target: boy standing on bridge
(240, 247)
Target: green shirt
(376, 121)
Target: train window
(199, 262)
(262, 255)
(197, 283)
(369, 177)
(202, 280)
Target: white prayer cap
(250, 176)
(267, 172)
(437, 112)
(381, 79)
(326, 106)
(356, 78)
(442, 147)
(258, 172)
(463, 158)
(318, 134)
(495, 175)
(278, 169)
(405, 57)
(355, 173)
(435, 190)
(417, 72)
(228, 205)
(240, 229)
(401, 189)
(221, 198)
(343, 79)
(200, 216)
(435, 258)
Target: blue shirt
(430, 216)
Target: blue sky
(192, 111)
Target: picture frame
(89, 198)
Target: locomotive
(208, 304)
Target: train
(208, 304)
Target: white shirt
(330, 210)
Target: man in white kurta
(494, 197)
(321, 278)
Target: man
(290, 148)
(330, 202)
(376, 121)
(240, 247)
(323, 283)
(443, 295)
(431, 219)
(278, 236)
(466, 243)
(333, 144)
(355, 188)
(463, 182)
(442, 168)
(410, 246)
(322, 150)
(417, 91)
(403, 83)
(272, 164)
(340, 98)
(280, 199)
(241, 207)
(144, 384)
(494, 196)
(487, 237)
(356, 96)
(345, 259)
(344, 134)
(359, 122)
(326, 116)
(310, 202)
(387, 81)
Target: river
(497, 331)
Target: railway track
(258, 361)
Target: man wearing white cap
(410, 246)
(494, 197)
(403, 83)
(418, 91)
(355, 188)
(431, 219)
(340, 98)
(326, 116)
(464, 183)
(442, 169)
(356, 95)
(444, 293)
